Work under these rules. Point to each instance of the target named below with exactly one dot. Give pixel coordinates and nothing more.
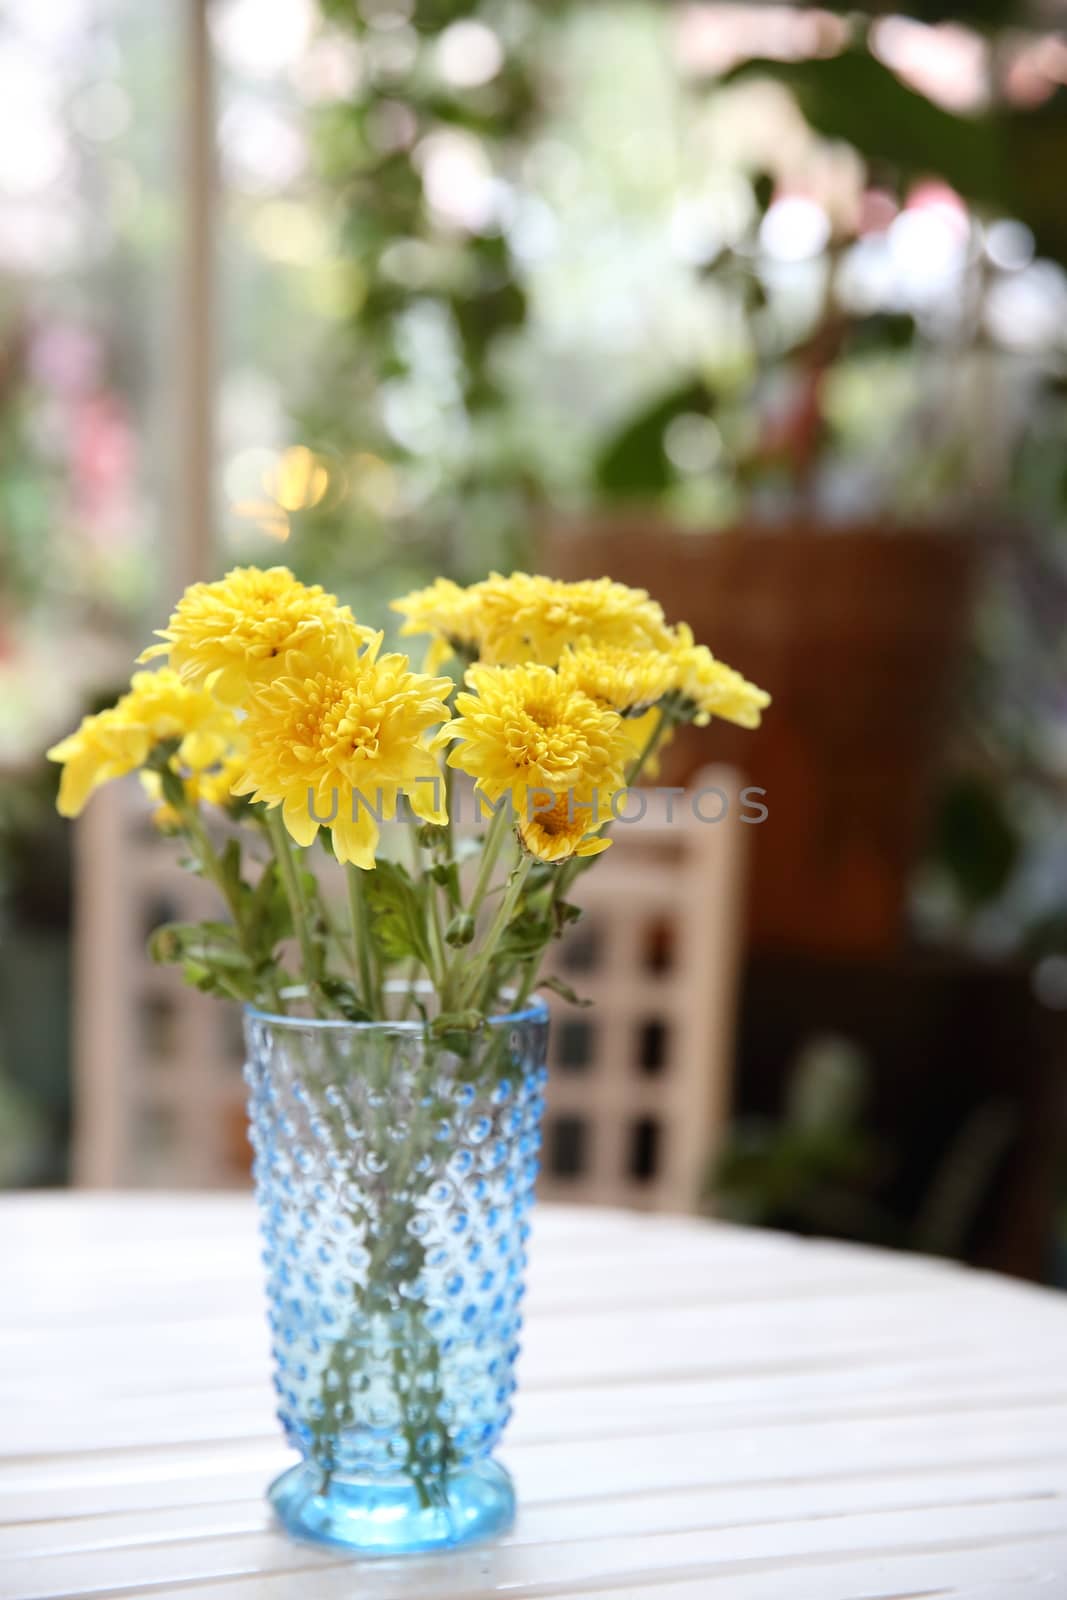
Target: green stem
(648, 749)
(571, 869)
(379, 1295)
(337, 936)
(361, 939)
(505, 911)
(438, 970)
(525, 989)
(439, 948)
(283, 852)
(208, 857)
(494, 838)
(408, 998)
(449, 778)
(209, 860)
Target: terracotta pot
(857, 633)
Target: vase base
(375, 1518)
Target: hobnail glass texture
(394, 1172)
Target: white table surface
(705, 1413)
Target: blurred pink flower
(102, 466)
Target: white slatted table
(705, 1413)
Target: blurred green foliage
(1004, 159)
(820, 1168)
(418, 280)
(461, 420)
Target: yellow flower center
(559, 820)
(535, 737)
(333, 723)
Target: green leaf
(460, 930)
(159, 759)
(269, 918)
(564, 913)
(446, 873)
(975, 839)
(398, 924)
(171, 784)
(211, 942)
(230, 864)
(634, 462)
(429, 835)
(341, 994)
(558, 986)
(1036, 154)
(524, 937)
(853, 97)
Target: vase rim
(533, 1010)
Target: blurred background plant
(820, 276)
(820, 1168)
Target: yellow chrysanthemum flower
(567, 826)
(158, 708)
(706, 688)
(236, 634)
(447, 613)
(527, 734)
(624, 680)
(531, 619)
(522, 619)
(339, 737)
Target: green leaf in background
(634, 463)
(855, 98)
(1009, 159)
(974, 839)
(883, 330)
(1036, 156)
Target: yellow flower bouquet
(396, 1042)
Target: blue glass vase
(394, 1169)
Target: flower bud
(460, 930)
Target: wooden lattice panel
(158, 1088)
(639, 1081)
